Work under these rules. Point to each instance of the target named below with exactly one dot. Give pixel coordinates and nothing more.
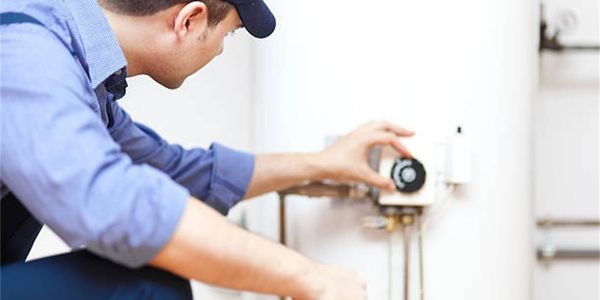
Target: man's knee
(82, 275)
(155, 284)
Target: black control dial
(408, 174)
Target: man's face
(195, 50)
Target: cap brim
(256, 17)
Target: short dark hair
(217, 9)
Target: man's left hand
(346, 159)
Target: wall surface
(427, 65)
(566, 152)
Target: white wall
(566, 153)
(427, 65)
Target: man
(146, 212)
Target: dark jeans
(75, 275)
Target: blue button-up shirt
(75, 158)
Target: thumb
(373, 178)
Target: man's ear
(191, 17)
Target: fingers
(389, 127)
(388, 138)
(401, 148)
(373, 178)
(399, 131)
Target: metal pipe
(282, 227)
(556, 46)
(406, 239)
(552, 43)
(556, 222)
(321, 189)
(421, 268)
(550, 252)
(581, 47)
(335, 190)
(390, 265)
(405, 216)
(282, 220)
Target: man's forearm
(209, 248)
(343, 161)
(273, 172)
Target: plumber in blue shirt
(144, 216)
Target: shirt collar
(102, 52)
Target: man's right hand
(207, 247)
(332, 283)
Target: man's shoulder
(51, 13)
(83, 28)
(32, 55)
(74, 49)
(37, 66)
(53, 16)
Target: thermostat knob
(408, 174)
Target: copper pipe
(321, 189)
(334, 190)
(282, 229)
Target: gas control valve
(409, 174)
(414, 177)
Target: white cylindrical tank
(427, 65)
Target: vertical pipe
(421, 268)
(390, 269)
(406, 239)
(282, 225)
(282, 221)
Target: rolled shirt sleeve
(219, 176)
(58, 158)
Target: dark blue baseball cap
(256, 17)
